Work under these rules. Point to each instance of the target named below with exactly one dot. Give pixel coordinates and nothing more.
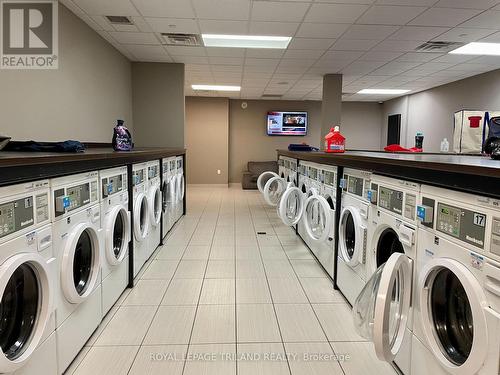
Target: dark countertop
(28, 166)
(475, 174)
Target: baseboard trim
(235, 184)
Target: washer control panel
(391, 200)
(313, 173)
(355, 185)
(112, 185)
(138, 177)
(329, 178)
(153, 171)
(468, 226)
(16, 215)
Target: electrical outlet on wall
(218, 171)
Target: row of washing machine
(64, 258)
(420, 264)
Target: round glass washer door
(318, 218)
(273, 190)
(117, 235)
(25, 308)
(80, 263)
(453, 317)
(155, 205)
(352, 234)
(141, 217)
(263, 179)
(291, 206)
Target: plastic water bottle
(419, 140)
(445, 145)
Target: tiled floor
(220, 298)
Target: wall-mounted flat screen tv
(287, 123)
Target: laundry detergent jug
(334, 141)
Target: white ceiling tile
(361, 67)
(418, 33)
(463, 34)
(225, 52)
(444, 17)
(493, 38)
(321, 30)
(310, 43)
(103, 23)
(255, 69)
(418, 57)
(394, 68)
(230, 69)
(134, 38)
(457, 59)
(173, 25)
(300, 54)
(261, 62)
(435, 66)
(129, 28)
(141, 24)
(273, 28)
(486, 60)
(335, 13)
(186, 51)
(377, 32)
(488, 19)
(291, 69)
(108, 7)
(255, 82)
(328, 66)
(222, 9)
(304, 62)
(197, 67)
(407, 2)
(226, 60)
(464, 4)
(276, 11)
(148, 53)
(390, 15)
(397, 45)
(191, 59)
(265, 53)
(343, 55)
(223, 27)
(354, 44)
(380, 56)
(164, 8)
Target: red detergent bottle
(334, 141)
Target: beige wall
(361, 124)
(158, 104)
(207, 140)
(432, 111)
(247, 131)
(81, 100)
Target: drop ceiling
(371, 42)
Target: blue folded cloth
(33, 146)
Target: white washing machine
(292, 174)
(115, 223)
(173, 181)
(392, 230)
(141, 225)
(168, 197)
(155, 204)
(282, 172)
(319, 222)
(77, 247)
(180, 187)
(353, 233)
(27, 278)
(457, 304)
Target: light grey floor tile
(262, 359)
(252, 291)
(109, 360)
(171, 252)
(105, 321)
(298, 323)
(160, 269)
(214, 324)
(249, 269)
(287, 290)
(77, 361)
(248, 252)
(211, 359)
(159, 360)
(278, 269)
(359, 358)
(223, 252)
(146, 292)
(220, 269)
(182, 292)
(171, 325)
(257, 323)
(320, 290)
(336, 320)
(196, 252)
(218, 292)
(137, 320)
(190, 269)
(299, 251)
(313, 358)
(273, 253)
(308, 268)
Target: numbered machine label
(467, 226)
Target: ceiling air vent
(119, 20)
(173, 39)
(437, 46)
(271, 96)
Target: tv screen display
(287, 123)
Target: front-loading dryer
(457, 304)
(353, 233)
(392, 230)
(168, 197)
(155, 206)
(140, 213)
(115, 223)
(319, 221)
(27, 278)
(77, 246)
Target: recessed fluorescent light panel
(485, 49)
(246, 41)
(216, 88)
(383, 91)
